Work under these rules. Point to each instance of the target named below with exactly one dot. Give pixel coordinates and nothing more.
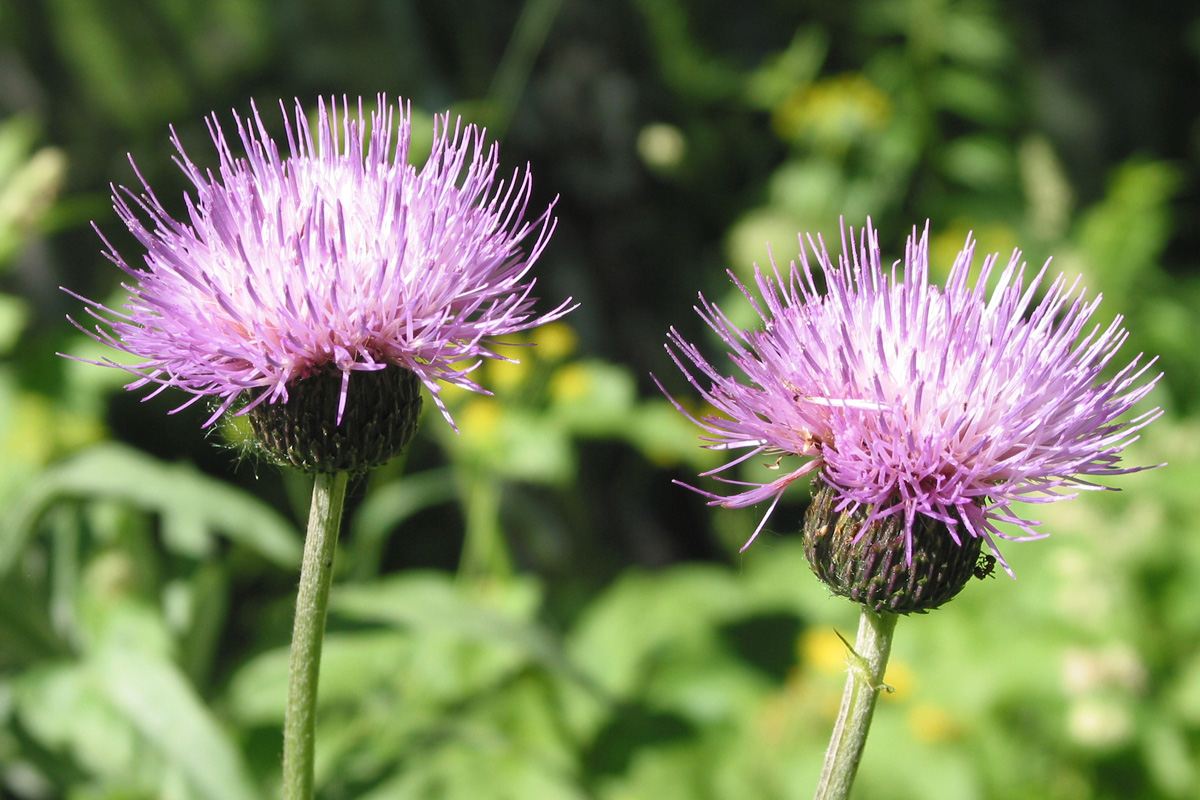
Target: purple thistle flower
(339, 253)
(912, 399)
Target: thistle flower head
(334, 258)
(917, 403)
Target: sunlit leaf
(433, 604)
(115, 472)
(160, 703)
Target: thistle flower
(925, 413)
(336, 260)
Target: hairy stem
(868, 660)
(324, 521)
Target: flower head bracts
(913, 399)
(340, 252)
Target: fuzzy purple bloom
(339, 253)
(917, 400)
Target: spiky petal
(338, 252)
(950, 403)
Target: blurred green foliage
(529, 607)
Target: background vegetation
(531, 609)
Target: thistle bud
(378, 418)
(868, 562)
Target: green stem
(324, 520)
(868, 660)
(485, 552)
(512, 74)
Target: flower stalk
(923, 413)
(324, 522)
(868, 660)
(316, 284)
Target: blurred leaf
(981, 162)
(160, 703)
(29, 182)
(35, 428)
(655, 638)
(980, 98)
(915, 769)
(205, 598)
(974, 36)
(453, 675)
(684, 64)
(13, 315)
(26, 633)
(1168, 756)
(592, 398)
(499, 614)
(129, 75)
(774, 230)
(783, 72)
(833, 114)
(812, 193)
(478, 765)
(176, 491)
(512, 73)
(65, 710)
(511, 442)
(143, 65)
(224, 37)
(389, 505)
(1185, 695)
(667, 438)
(1122, 236)
(352, 665)
(504, 743)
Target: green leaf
(352, 665)
(13, 314)
(479, 763)
(183, 495)
(978, 97)
(62, 708)
(981, 162)
(782, 72)
(594, 398)
(157, 699)
(667, 438)
(29, 182)
(433, 604)
(657, 637)
(25, 628)
(514, 443)
(1168, 755)
(1123, 236)
(204, 600)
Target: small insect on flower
(933, 409)
(985, 566)
(292, 273)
